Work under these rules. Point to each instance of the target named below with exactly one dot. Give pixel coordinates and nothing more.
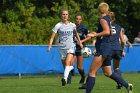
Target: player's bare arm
(78, 38)
(86, 39)
(51, 41)
(122, 42)
(106, 28)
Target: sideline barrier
(29, 59)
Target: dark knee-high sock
(82, 73)
(87, 80)
(90, 84)
(69, 78)
(119, 79)
(118, 72)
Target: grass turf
(52, 84)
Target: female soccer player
(82, 31)
(117, 51)
(103, 49)
(65, 30)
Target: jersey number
(113, 30)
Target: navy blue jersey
(104, 41)
(82, 31)
(115, 42)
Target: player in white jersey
(65, 30)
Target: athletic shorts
(116, 54)
(104, 52)
(64, 52)
(78, 50)
(106, 62)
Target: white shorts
(64, 52)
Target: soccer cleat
(130, 88)
(82, 80)
(83, 86)
(63, 82)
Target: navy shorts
(78, 50)
(103, 52)
(107, 62)
(116, 54)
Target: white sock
(66, 72)
(71, 68)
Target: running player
(66, 31)
(117, 50)
(82, 31)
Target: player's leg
(116, 64)
(116, 61)
(80, 68)
(106, 67)
(68, 68)
(72, 71)
(96, 64)
(118, 78)
(72, 64)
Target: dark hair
(79, 14)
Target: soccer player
(117, 51)
(103, 49)
(66, 31)
(82, 31)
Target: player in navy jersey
(66, 31)
(82, 31)
(103, 49)
(117, 50)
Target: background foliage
(31, 21)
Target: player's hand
(92, 34)
(123, 53)
(130, 46)
(49, 48)
(94, 52)
(81, 45)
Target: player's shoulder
(107, 18)
(59, 24)
(84, 27)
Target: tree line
(31, 21)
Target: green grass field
(52, 84)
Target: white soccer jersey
(65, 33)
